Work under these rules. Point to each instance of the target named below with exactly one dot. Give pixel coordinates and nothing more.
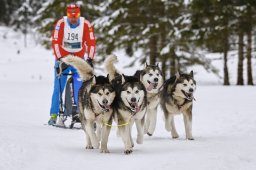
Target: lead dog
(177, 97)
(95, 104)
(130, 104)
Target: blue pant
(60, 87)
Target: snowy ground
(224, 126)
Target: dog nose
(191, 90)
(105, 101)
(133, 99)
(156, 79)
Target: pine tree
(7, 9)
(212, 22)
(23, 19)
(160, 29)
(250, 19)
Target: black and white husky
(95, 104)
(151, 77)
(129, 105)
(177, 97)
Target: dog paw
(175, 136)
(89, 147)
(149, 134)
(127, 151)
(96, 146)
(104, 151)
(191, 138)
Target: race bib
(73, 37)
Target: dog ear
(123, 78)
(177, 75)
(108, 78)
(141, 75)
(146, 65)
(92, 83)
(191, 73)
(93, 80)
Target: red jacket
(87, 40)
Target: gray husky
(151, 77)
(129, 105)
(95, 104)
(177, 97)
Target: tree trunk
(225, 51)
(249, 59)
(249, 48)
(226, 74)
(240, 79)
(153, 50)
(25, 40)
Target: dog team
(129, 100)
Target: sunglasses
(73, 15)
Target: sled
(68, 108)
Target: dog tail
(85, 71)
(109, 66)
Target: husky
(177, 97)
(130, 104)
(96, 96)
(152, 79)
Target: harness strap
(118, 125)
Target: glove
(89, 61)
(61, 67)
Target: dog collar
(180, 106)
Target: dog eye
(184, 84)
(128, 92)
(150, 74)
(107, 93)
(157, 74)
(192, 84)
(100, 94)
(137, 91)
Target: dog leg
(188, 125)
(152, 123)
(88, 144)
(130, 125)
(168, 122)
(88, 141)
(92, 135)
(125, 134)
(146, 126)
(139, 127)
(173, 129)
(104, 139)
(98, 131)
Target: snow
(223, 124)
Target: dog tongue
(137, 108)
(107, 107)
(150, 87)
